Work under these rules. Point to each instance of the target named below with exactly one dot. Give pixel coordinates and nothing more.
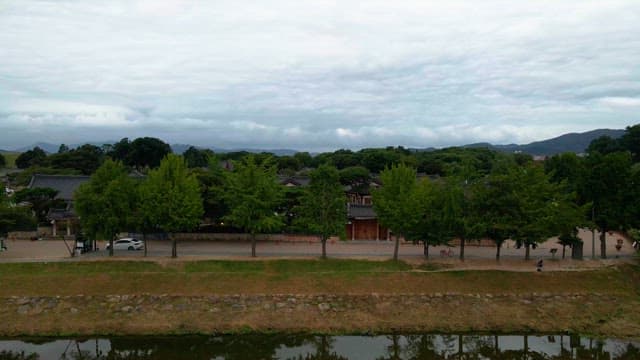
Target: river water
(310, 347)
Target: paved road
(56, 250)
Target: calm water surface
(307, 347)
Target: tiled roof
(295, 180)
(361, 212)
(66, 185)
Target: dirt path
(477, 257)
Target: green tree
(253, 194)
(630, 141)
(521, 203)
(607, 185)
(120, 151)
(3, 161)
(197, 158)
(144, 152)
(63, 149)
(14, 218)
(343, 158)
(33, 157)
(567, 167)
(323, 208)
(170, 198)
(424, 219)
(604, 145)
(539, 204)
(304, 158)
(106, 203)
(289, 163)
(86, 159)
(457, 207)
(41, 200)
(355, 176)
(391, 201)
(212, 182)
(498, 202)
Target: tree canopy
(170, 198)
(106, 203)
(41, 200)
(140, 153)
(392, 201)
(253, 194)
(197, 158)
(86, 159)
(323, 205)
(33, 157)
(14, 218)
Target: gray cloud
(316, 76)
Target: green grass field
(296, 276)
(185, 297)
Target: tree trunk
(498, 246)
(462, 248)
(527, 252)
(253, 245)
(111, 246)
(174, 247)
(425, 250)
(324, 247)
(603, 243)
(144, 241)
(72, 250)
(563, 250)
(396, 247)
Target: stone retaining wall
(173, 314)
(216, 303)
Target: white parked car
(127, 244)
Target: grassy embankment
(405, 297)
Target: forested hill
(572, 142)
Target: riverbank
(183, 297)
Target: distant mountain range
(572, 142)
(181, 148)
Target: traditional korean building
(64, 221)
(362, 221)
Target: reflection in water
(309, 347)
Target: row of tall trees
(513, 201)
(169, 200)
(516, 198)
(484, 194)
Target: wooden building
(64, 221)
(363, 224)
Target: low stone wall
(22, 235)
(247, 237)
(164, 314)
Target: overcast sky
(316, 75)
